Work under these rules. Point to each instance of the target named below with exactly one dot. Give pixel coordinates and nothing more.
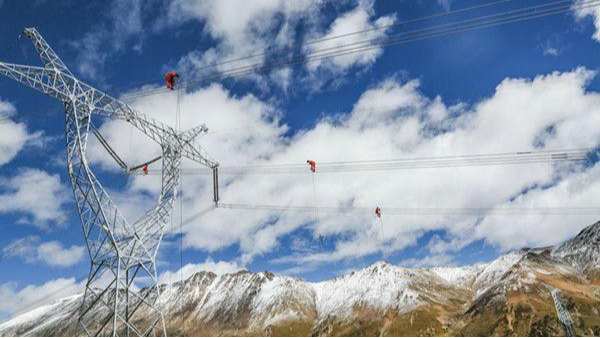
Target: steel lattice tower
(120, 252)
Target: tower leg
(120, 253)
(114, 306)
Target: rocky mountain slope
(509, 296)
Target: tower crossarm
(191, 134)
(46, 80)
(48, 56)
(57, 81)
(158, 131)
(106, 105)
(197, 154)
(68, 89)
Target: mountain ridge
(506, 296)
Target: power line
(376, 28)
(428, 30)
(498, 19)
(14, 248)
(431, 162)
(369, 45)
(421, 211)
(197, 216)
(271, 51)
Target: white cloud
(576, 190)
(551, 51)
(54, 254)
(14, 301)
(123, 29)
(256, 26)
(219, 268)
(552, 45)
(445, 3)
(13, 135)
(51, 253)
(390, 120)
(359, 19)
(262, 26)
(583, 11)
(34, 192)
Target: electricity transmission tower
(121, 253)
(563, 314)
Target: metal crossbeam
(121, 252)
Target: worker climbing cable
(312, 164)
(313, 168)
(146, 170)
(171, 79)
(380, 221)
(320, 238)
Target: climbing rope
(313, 170)
(180, 178)
(130, 141)
(379, 219)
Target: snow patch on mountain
(493, 272)
(379, 286)
(282, 298)
(459, 276)
(36, 320)
(583, 250)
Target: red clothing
(170, 79)
(146, 171)
(378, 212)
(313, 165)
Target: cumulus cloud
(582, 11)
(16, 301)
(51, 253)
(257, 25)
(123, 29)
(261, 26)
(33, 192)
(576, 190)
(551, 51)
(359, 19)
(445, 3)
(393, 119)
(219, 268)
(13, 135)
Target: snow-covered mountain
(582, 251)
(505, 297)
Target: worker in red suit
(170, 78)
(378, 212)
(313, 165)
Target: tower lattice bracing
(121, 289)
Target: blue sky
(490, 90)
